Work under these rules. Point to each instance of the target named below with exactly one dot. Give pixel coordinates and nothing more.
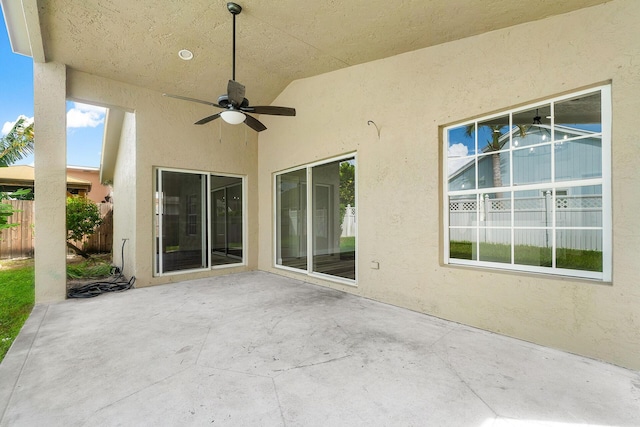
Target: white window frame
(604, 181)
(157, 228)
(309, 220)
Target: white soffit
(23, 26)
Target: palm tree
(495, 145)
(18, 143)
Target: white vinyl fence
(581, 211)
(349, 222)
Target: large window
(529, 189)
(198, 221)
(316, 219)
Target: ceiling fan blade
(235, 92)
(271, 110)
(207, 119)
(184, 98)
(254, 123)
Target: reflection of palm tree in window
(495, 144)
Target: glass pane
(578, 158)
(291, 208)
(579, 114)
(183, 226)
(219, 220)
(234, 221)
(462, 173)
(226, 220)
(334, 231)
(493, 170)
(533, 247)
(495, 245)
(532, 126)
(579, 249)
(533, 208)
(493, 134)
(463, 210)
(579, 207)
(462, 141)
(495, 209)
(532, 165)
(460, 243)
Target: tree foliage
(18, 143)
(83, 216)
(347, 181)
(14, 146)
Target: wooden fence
(18, 242)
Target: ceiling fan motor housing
(234, 8)
(223, 101)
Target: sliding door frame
(206, 216)
(310, 208)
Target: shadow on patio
(260, 349)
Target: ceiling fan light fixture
(233, 117)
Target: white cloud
(83, 115)
(7, 126)
(456, 155)
(458, 150)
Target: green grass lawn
(575, 259)
(17, 291)
(16, 300)
(89, 269)
(347, 244)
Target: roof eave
(110, 143)
(23, 26)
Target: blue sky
(85, 124)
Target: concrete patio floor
(259, 349)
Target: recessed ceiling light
(185, 54)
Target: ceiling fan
(234, 105)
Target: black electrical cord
(117, 283)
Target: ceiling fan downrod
(235, 9)
(235, 106)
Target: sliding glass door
(327, 229)
(196, 211)
(183, 241)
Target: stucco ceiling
(279, 41)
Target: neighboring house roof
(24, 176)
(82, 168)
(574, 132)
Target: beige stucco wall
(166, 137)
(410, 97)
(124, 205)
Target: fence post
(349, 222)
(548, 208)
